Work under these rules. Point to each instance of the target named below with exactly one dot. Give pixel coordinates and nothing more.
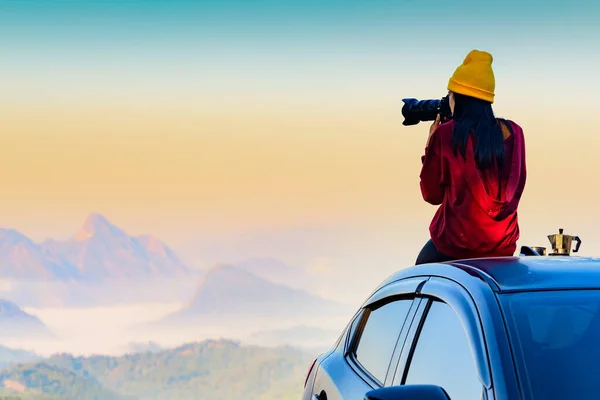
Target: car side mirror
(408, 392)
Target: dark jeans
(430, 254)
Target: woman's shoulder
(516, 138)
(511, 123)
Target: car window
(443, 357)
(378, 338)
(555, 339)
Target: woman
(474, 169)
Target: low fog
(116, 330)
(127, 328)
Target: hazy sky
(205, 120)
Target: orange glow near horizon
(207, 171)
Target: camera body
(415, 111)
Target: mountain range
(102, 265)
(99, 250)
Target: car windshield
(555, 337)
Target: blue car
(525, 327)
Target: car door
(370, 347)
(445, 344)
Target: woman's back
(477, 216)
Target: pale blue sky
(232, 47)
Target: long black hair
(472, 115)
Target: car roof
(524, 273)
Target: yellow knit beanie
(475, 76)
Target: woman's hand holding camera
(432, 128)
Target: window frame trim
(461, 302)
(402, 290)
(410, 340)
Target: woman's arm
(432, 129)
(431, 175)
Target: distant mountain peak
(224, 268)
(96, 220)
(261, 260)
(95, 224)
(98, 250)
(226, 289)
(231, 274)
(277, 271)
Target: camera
(415, 111)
